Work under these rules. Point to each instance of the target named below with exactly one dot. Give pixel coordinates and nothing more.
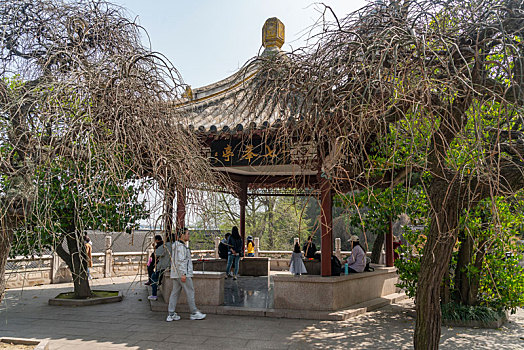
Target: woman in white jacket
(181, 274)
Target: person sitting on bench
(357, 259)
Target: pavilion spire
(273, 35)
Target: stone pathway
(131, 325)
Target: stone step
(340, 315)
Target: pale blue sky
(208, 40)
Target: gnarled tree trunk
(437, 253)
(377, 248)
(76, 260)
(5, 246)
(7, 226)
(467, 284)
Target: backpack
(368, 268)
(336, 266)
(222, 250)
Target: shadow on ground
(131, 325)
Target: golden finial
(273, 33)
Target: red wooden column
(389, 245)
(180, 210)
(326, 226)
(242, 196)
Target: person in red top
(396, 244)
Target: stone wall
(209, 288)
(48, 269)
(333, 293)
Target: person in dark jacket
(162, 261)
(310, 249)
(236, 248)
(151, 264)
(223, 247)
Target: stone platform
(209, 288)
(249, 266)
(333, 293)
(253, 296)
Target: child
(151, 263)
(296, 265)
(181, 274)
(250, 247)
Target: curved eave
(218, 91)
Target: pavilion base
(209, 288)
(206, 284)
(333, 293)
(248, 266)
(339, 315)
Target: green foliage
(493, 225)
(373, 208)
(497, 225)
(502, 281)
(73, 197)
(408, 264)
(458, 312)
(287, 223)
(275, 220)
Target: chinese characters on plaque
(246, 152)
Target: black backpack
(368, 268)
(336, 266)
(222, 250)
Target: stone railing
(51, 269)
(47, 269)
(203, 254)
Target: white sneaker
(197, 316)
(235, 277)
(152, 297)
(173, 317)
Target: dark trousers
(150, 271)
(157, 279)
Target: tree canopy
(77, 84)
(433, 87)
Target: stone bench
(209, 288)
(312, 292)
(312, 267)
(249, 266)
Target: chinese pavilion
(250, 153)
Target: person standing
(151, 263)
(182, 276)
(250, 246)
(310, 249)
(223, 247)
(89, 254)
(296, 265)
(162, 261)
(396, 245)
(357, 259)
(236, 248)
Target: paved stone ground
(131, 325)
